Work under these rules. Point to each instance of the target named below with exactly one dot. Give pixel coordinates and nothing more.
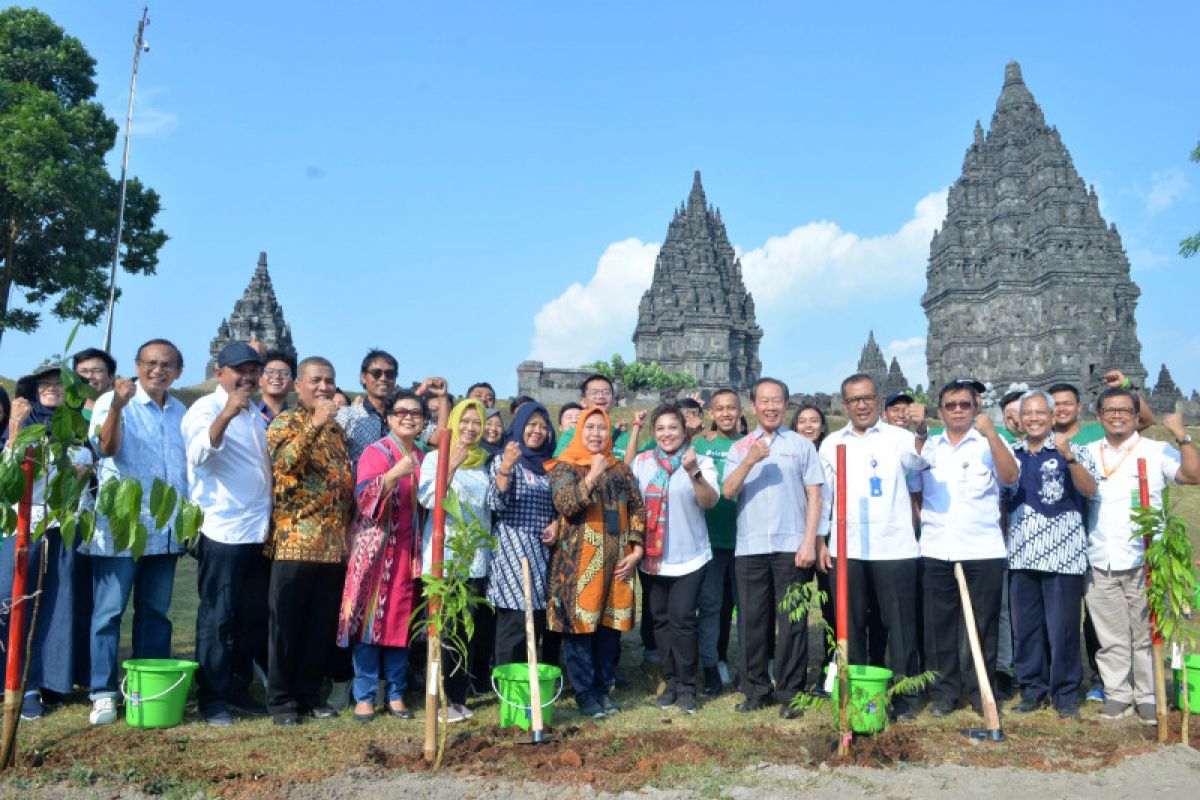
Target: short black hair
(285, 357)
(163, 343)
(1118, 391)
(95, 352)
(596, 376)
(959, 386)
(1009, 398)
(402, 394)
(480, 385)
(690, 402)
(1056, 388)
(516, 402)
(754, 388)
(667, 410)
(855, 378)
(375, 353)
(725, 390)
(320, 361)
(568, 407)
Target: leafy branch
(635, 375)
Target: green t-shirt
(1088, 432)
(721, 518)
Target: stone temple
(257, 315)
(888, 378)
(1026, 281)
(697, 315)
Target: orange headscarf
(576, 453)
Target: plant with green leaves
(1191, 245)
(448, 604)
(801, 599)
(635, 375)
(1171, 584)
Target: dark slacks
(945, 627)
(1045, 622)
(510, 637)
(673, 604)
(483, 640)
(590, 659)
(231, 618)
(715, 608)
(303, 602)
(762, 582)
(892, 587)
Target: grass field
(641, 746)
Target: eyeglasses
(401, 413)
(1117, 412)
(87, 372)
(865, 400)
(277, 372)
(958, 405)
(153, 365)
(599, 393)
(388, 374)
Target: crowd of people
(317, 533)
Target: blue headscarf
(533, 460)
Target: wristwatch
(697, 475)
(1187, 439)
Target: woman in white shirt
(677, 487)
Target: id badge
(612, 521)
(876, 486)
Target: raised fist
(123, 391)
(324, 410)
(689, 461)
(758, 451)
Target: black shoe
(787, 712)
(286, 718)
(322, 712)
(1005, 686)
(402, 713)
(619, 679)
(1027, 705)
(941, 708)
(666, 699)
(367, 717)
(591, 708)
(1068, 712)
(753, 704)
(217, 715)
(245, 704)
(686, 703)
(712, 681)
(609, 705)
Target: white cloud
(148, 118)
(1166, 187)
(590, 322)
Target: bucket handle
(161, 694)
(549, 702)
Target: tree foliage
(1191, 245)
(635, 375)
(58, 202)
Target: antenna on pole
(139, 47)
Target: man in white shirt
(1116, 590)
(960, 522)
(881, 543)
(229, 477)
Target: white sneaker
(339, 695)
(723, 668)
(104, 711)
(454, 713)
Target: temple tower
(257, 315)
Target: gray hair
(1035, 393)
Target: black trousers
(673, 604)
(303, 602)
(1045, 621)
(1091, 644)
(483, 641)
(231, 618)
(762, 582)
(510, 638)
(646, 624)
(945, 627)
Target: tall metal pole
(112, 277)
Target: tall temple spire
(256, 316)
(871, 362)
(697, 315)
(1026, 281)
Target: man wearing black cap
(895, 409)
(960, 522)
(229, 477)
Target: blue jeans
(151, 580)
(590, 659)
(709, 619)
(368, 658)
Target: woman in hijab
(524, 523)
(591, 570)
(379, 595)
(493, 432)
(52, 650)
(677, 487)
(468, 478)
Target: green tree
(635, 375)
(58, 202)
(1191, 245)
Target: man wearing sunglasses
(960, 523)
(1116, 588)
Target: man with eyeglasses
(97, 368)
(278, 379)
(597, 391)
(229, 477)
(137, 429)
(1116, 589)
(775, 475)
(881, 542)
(960, 523)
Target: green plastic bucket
(1191, 664)
(511, 684)
(157, 691)
(868, 710)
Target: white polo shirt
(960, 508)
(879, 523)
(230, 483)
(1111, 544)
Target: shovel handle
(535, 685)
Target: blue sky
(472, 184)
